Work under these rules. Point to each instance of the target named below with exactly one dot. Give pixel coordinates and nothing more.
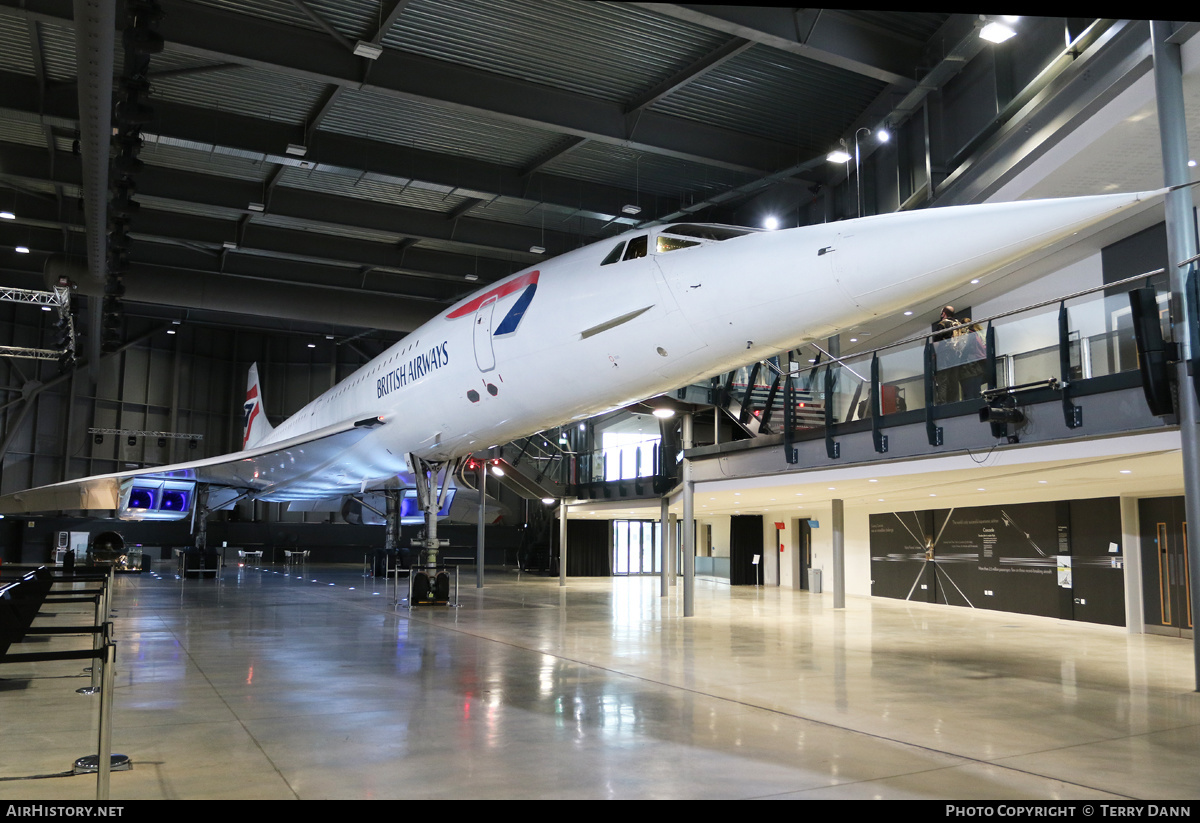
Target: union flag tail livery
(255, 428)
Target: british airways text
(414, 370)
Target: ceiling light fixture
(22, 250)
(995, 32)
(296, 149)
(838, 156)
(256, 207)
(8, 215)
(537, 249)
(631, 209)
(371, 51)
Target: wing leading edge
(297, 468)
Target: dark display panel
(1058, 559)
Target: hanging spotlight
(995, 32)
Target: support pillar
(562, 543)
(839, 554)
(1181, 245)
(689, 524)
(672, 550)
(664, 557)
(1131, 551)
(479, 531)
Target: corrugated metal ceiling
(244, 90)
(568, 171)
(776, 94)
(605, 163)
(363, 187)
(598, 49)
(435, 128)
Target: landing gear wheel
(420, 587)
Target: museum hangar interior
(301, 184)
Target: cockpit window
(614, 255)
(707, 232)
(637, 248)
(666, 244)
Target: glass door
(637, 547)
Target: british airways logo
(413, 370)
(526, 284)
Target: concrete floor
(262, 685)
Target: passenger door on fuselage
(485, 355)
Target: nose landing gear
(429, 583)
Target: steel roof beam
(385, 24)
(335, 152)
(475, 235)
(717, 57)
(212, 232)
(823, 35)
(225, 36)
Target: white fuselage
(571, 338)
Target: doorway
(637, 547)
(1165, 572)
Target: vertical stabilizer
(255, 428)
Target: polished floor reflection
(263, 685)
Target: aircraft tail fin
(255, 428)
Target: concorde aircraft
(594, 329)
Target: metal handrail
(841, 360)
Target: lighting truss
(139, 433)
(58, 298)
